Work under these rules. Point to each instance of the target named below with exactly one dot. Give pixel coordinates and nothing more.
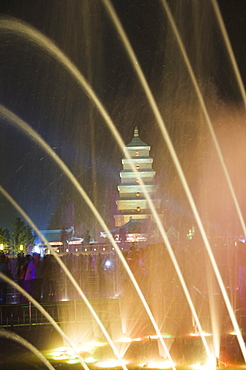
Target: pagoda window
(137, 166)
(137, 194)
(137, 154)
(138, 208)
(137, 181)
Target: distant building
(132, 203)
(60, 239)
(134, 219)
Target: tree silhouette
(3, 236)
(21, 234)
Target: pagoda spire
(136, 132)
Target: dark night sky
(40, 91)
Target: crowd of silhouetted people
(103, 275)
(98, 275)
(4, 269)
(45, 279)
(37, 276)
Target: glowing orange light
(136, 339)
(198, 334)
(210, 364)
(125, 340)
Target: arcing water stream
(49, 318)
(22, 341)
(55, 52)
(68, 273)
(230, 51)
(166, 137)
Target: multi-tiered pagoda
(132, 204)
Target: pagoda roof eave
(137, 146)
(132, 226)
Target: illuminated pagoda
(133, 213)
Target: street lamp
(21, 247)
(1, 247)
